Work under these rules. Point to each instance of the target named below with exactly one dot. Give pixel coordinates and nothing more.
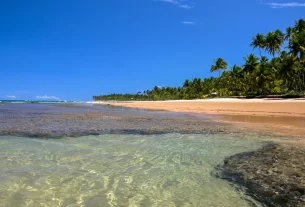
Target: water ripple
(119, 170)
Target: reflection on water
(119, 170)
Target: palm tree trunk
(235, 87)
(303, 80)
(299, 64)
(260, 52)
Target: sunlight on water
(118, 170)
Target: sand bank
(277, 116)
(257, 107)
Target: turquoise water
(119, 170)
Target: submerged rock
(274, 175)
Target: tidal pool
(120, 170)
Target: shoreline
(223, 106)
(285, 117)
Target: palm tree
(220, 64)
(197, 86)
(249, 68)
(264, 59)
(251, 63)
(297, 50)
(270, 45)
(274, 41)
(299, 26)
(288, 71)
(263, 72)
(236, 74)
(186, 83)
(289, 32)
(259, 41)
(297, 45)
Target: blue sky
(72, 50)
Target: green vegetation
(283, 73)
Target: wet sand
(285, 117)
(254, 107)
(284, 125)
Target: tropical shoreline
(284, 117)
(223, 106)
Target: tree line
(283, 73)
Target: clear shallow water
(119, 170)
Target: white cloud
(184, 6)
(188, 23)
(170, 1)
(177, 3)
(284, 5)
(10, 96)
(45, 97)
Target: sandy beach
(279, 116)
(253, 107)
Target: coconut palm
(249, 68)
(263, 73)
(288, 71)
(251, 63)
(264, 59)
(288, 34)
(297, 45)
(297, 50)
(259, 41)
(274, 41)
(220, 64)
(186, 83)
(279, 35)
(236, 74)
(299, 26)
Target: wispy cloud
(10, 96)
(45, 97)
(275, 5)
(178, 3)
(184, 6)
(188, 23)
